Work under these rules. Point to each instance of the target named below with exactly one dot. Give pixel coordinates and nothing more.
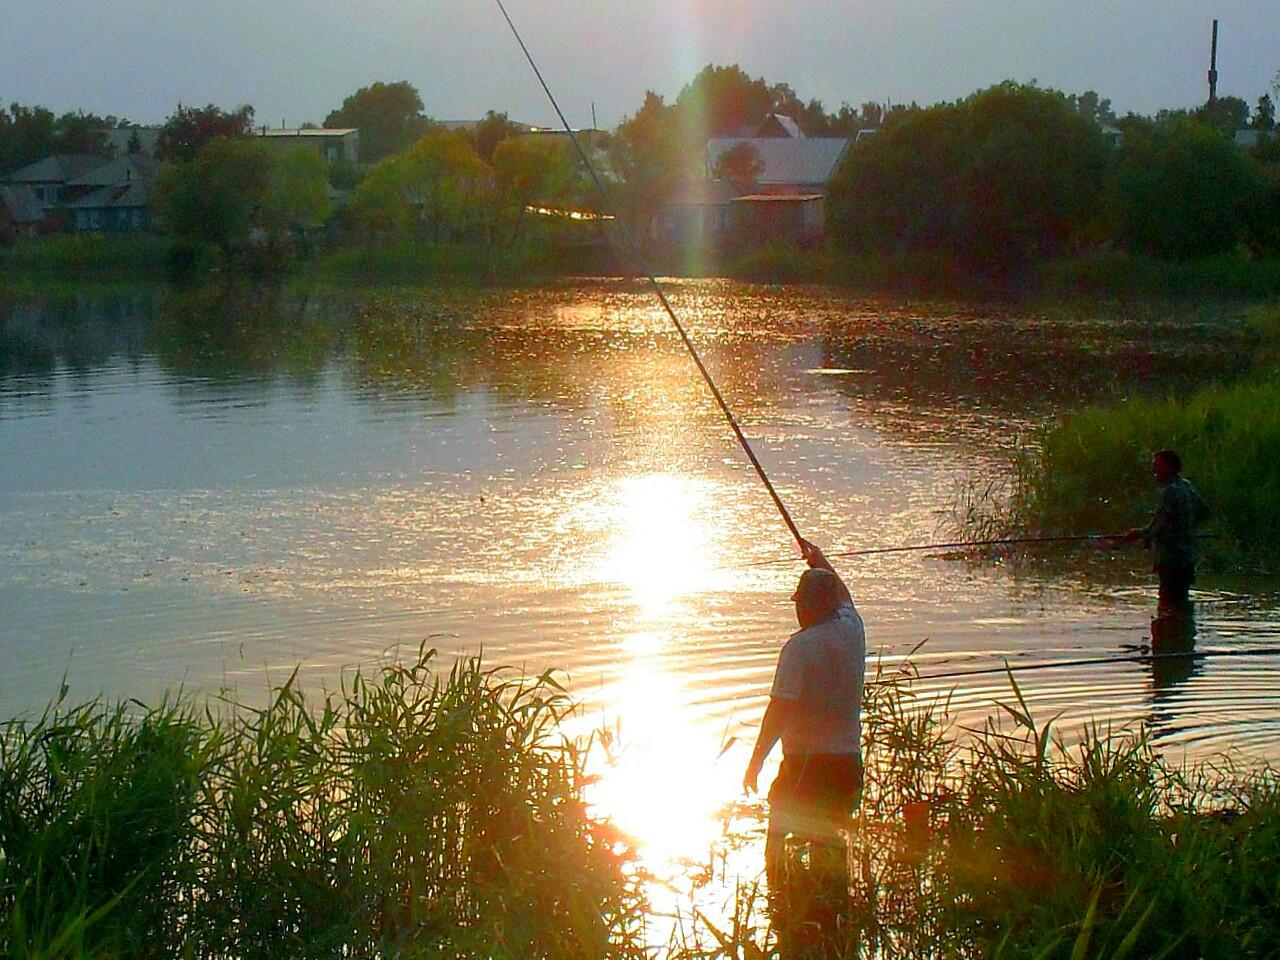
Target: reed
(411, 814)
(1008, 841)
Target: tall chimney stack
(1213, 68)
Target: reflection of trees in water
(47, 333)
(212, 335)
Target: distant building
(120, 208)
(337, 145)
(697, 212)
(795, 166)
(21, 213)
(797, 218)
(48, 179)
(1250, 139)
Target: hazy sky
(295, 60)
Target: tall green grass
(1090, 469)
(93, 254)
(410, 815)
(1007, 841)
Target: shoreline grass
(429, 813)
(1099, 274)
(412, 814)
(1006, 841)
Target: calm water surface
(210, 488)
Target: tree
(1008, 175)
(189, 129)
(28, 134)
(1185, 190)
(388, 115)
(531, 170)
(740, 165)
(237, 187)
(650, 155)
(1089, 104)
(297, 195)
(212, 198)
(1264, 114)
(722, 102)
(439, 189)
(494, 129)
(1227, 114)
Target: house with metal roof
(789, 165)
(21, 213)
(336, 145)
(120, 208)
(49, 178)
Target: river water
(210, 488)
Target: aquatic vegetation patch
(413, 813)
(1008, 841)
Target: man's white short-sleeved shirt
(821, 670)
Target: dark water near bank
(209, 488)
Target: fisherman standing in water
(1172, 535)
(814, 710)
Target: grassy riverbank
(410, 815)
(416, 814)
(91, 256)
(1105, 274)
(1090, 470)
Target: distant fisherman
(814, 709)
(1172, 535)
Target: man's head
(1166, 465)
(817, 597)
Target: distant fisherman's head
(1166, 465)
(817, 597)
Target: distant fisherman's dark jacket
(1172, 531)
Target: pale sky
(295, 60)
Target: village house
(21, 213)
(338, 145)
(83, 193)
(784, 202)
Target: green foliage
(413, 814)
(297, 193)
(438, 189)
(188, 130)
(1115, 272)
(388, 116)
(28, 134)
(236, 186)
(493, 130)
(1184, 190)
(212, 199)
(1010, 175)
(741, 165)
(79, 253)
(416, 262)
(529, 170)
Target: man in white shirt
(814, 709)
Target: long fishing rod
(1151, 658)
(635, 251)
(1003, 541)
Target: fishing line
(1151, 658)
(634, 249)
(1005, 541)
